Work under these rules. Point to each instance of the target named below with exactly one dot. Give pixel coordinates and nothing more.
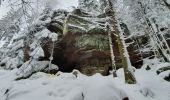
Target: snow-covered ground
(66, 86)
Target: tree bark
(125, 63)
(166, 4)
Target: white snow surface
(38, 52)
(165, 74)
(68, 5)
(4, 8)
(68, 86)
(33, 66)
(168, 1)
(62, 86)
(2, 42)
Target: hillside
(85, 50)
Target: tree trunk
(125, 62)
(166, 4)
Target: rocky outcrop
(83, 42)
(132, 47)
(86, 43)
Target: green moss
(78, 20)
(75, 23)
(75, 30)
(100, 42)
(97, 30)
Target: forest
(84, 49)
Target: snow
(11, 63)
(71, 86)
(37, 53)
(2, 42)
(63, 4)
(32, 66)
(7, 78)
(31, 84)
(15, 46)
(147, 81)
(168, 1)
(4, 8)
(65, 86)
(165, 74)
(43, 33)
(162, 65)
(99, 87)
(53, 36)
(46, 33)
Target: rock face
(84, 42)
(133, 47)
(87, 40)
(87, 43)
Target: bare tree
(125, 62)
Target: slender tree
(129, 77)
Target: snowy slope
(17, 84)
(66, 86)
